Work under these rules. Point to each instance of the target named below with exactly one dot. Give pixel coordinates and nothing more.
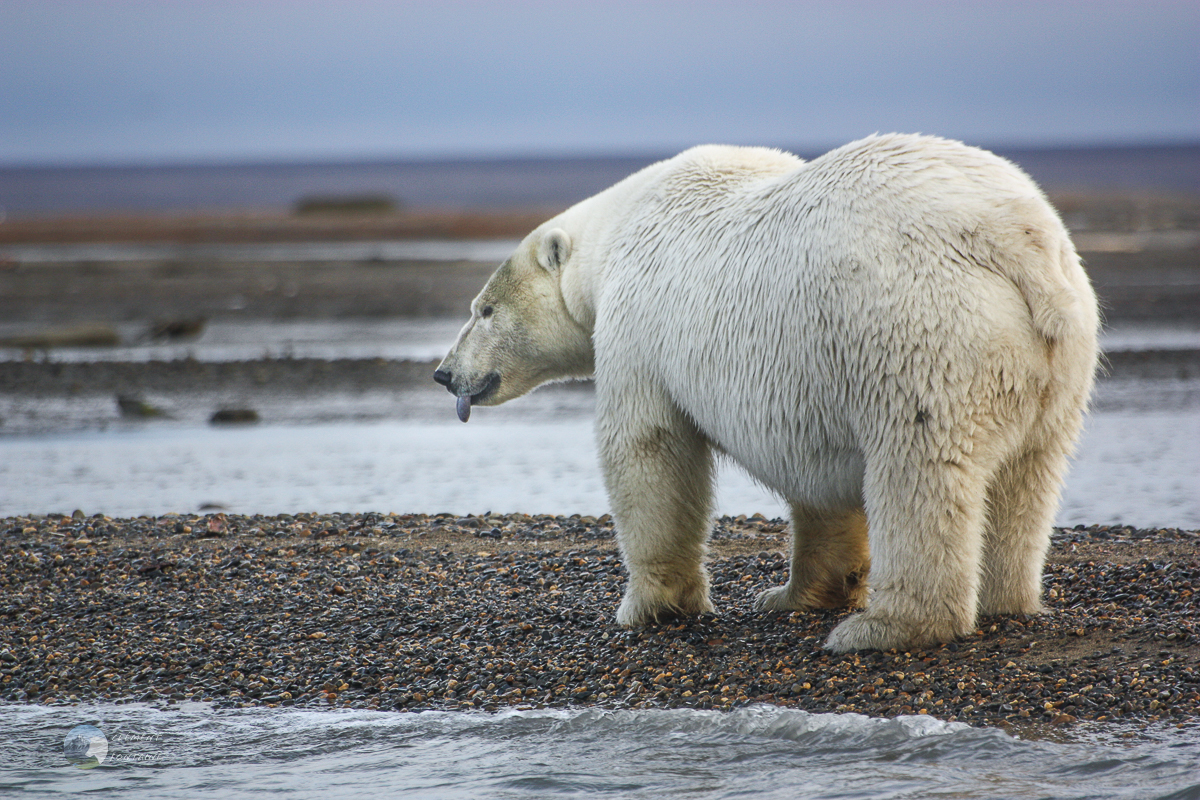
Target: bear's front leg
(658, 469)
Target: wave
(761, 751)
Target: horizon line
(517, 156)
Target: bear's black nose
(443, 377)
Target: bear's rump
(796, 388)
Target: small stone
(234, 416)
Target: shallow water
(761, 751)
(482, 250)
(405, 338)
(1138, 462)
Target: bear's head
(521, 333)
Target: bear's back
(771, 295)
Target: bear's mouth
(465, 401)
(490, 385)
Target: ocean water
(192, 751)
(489, 183)
(1137, 467)
(479, 250)
(1138, 462)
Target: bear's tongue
(463, 407)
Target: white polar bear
(897, 337)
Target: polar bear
(897, 337)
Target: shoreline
(417, 612)
(267, 226)
(1161, 286)
(1085, 212)
(1141, 250)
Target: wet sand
(1148, 286)
(46, 296)
(410, 612)
(1142, 252)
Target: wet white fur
(900, 326)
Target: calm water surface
(1134, 467)
(1138, 462)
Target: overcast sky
(120, 81)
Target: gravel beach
(413, 612)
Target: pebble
(413, 612)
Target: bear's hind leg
(830, 562)
(925, 519)
(1022, 502)
(659, 476)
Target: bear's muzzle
(467, 398)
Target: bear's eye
(486, 311)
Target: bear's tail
(1039, 258)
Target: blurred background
(236, 237)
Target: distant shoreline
(247, 227)
(502, 183)
(1085, 212)
(1141, 250)
(1150, 285)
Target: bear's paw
(641, 609)
(862, 632)
(867, 631)
(781, 598)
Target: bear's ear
(554, 249)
